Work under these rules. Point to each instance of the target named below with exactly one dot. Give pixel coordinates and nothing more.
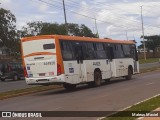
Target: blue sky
(116, 19)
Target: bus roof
(64, 37)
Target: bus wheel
(107, 80)
(129, 76)
(15, 77)
(2, 79)
(69, 86)
(97, 78)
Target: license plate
(41, 74)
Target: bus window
(127, 50)
(49, 46)
(90, 52)
(66, 50)
(100, 51)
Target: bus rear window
(49, 46)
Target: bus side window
(134, 52)
(66, 48)
(90, 52)
(110, 53)
(126, 50)
(100, 51)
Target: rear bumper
(46, 80)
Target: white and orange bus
(70, 60)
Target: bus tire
(129, 76)
(69, 86)
(2, 79)
(107, 80)
(97, 78)
(15, 77)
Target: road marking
(55, 109)
(103, 96)
(130, 107)
(149, 83)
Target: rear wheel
(15, 77)
(107, 80)
(97, 78)
(129, 76)
(69, 86)
(2, 79)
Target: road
(9, 85)
(113, 96)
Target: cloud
(43, 7)
(114, 17)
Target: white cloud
(5, 1)
(43, 7)
(114, 17)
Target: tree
(40, 28)
(152, 42)
(7, 29)
(53, 28)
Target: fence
(149, 55)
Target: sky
(116, 19)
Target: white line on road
(55, 109)
(149, 83)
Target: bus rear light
(25, 72)
(58, 69)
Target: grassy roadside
(148, 105)
(149, 60)
(149, 69)
(19, 92)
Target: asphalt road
(9, 85)
(114, 96)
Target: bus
(72, 60)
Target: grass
(149, 69)
(148, 60)
(145, 106)
(19, 92)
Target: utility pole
(144, 47)
(66, 25)
(126, 35)
(96, 28)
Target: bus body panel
(40, 61)
(42, 55)
(84, 72)
(120, 66)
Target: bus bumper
(46, 81)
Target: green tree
(53, 28)
(8, 29)
(85, 31)
(40, 28)
(152, 42)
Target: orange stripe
(76, 38)
(59, 55)
(41, 37)
(40, 53)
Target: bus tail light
(25, 72)
(58, 69)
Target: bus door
(80, 62)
